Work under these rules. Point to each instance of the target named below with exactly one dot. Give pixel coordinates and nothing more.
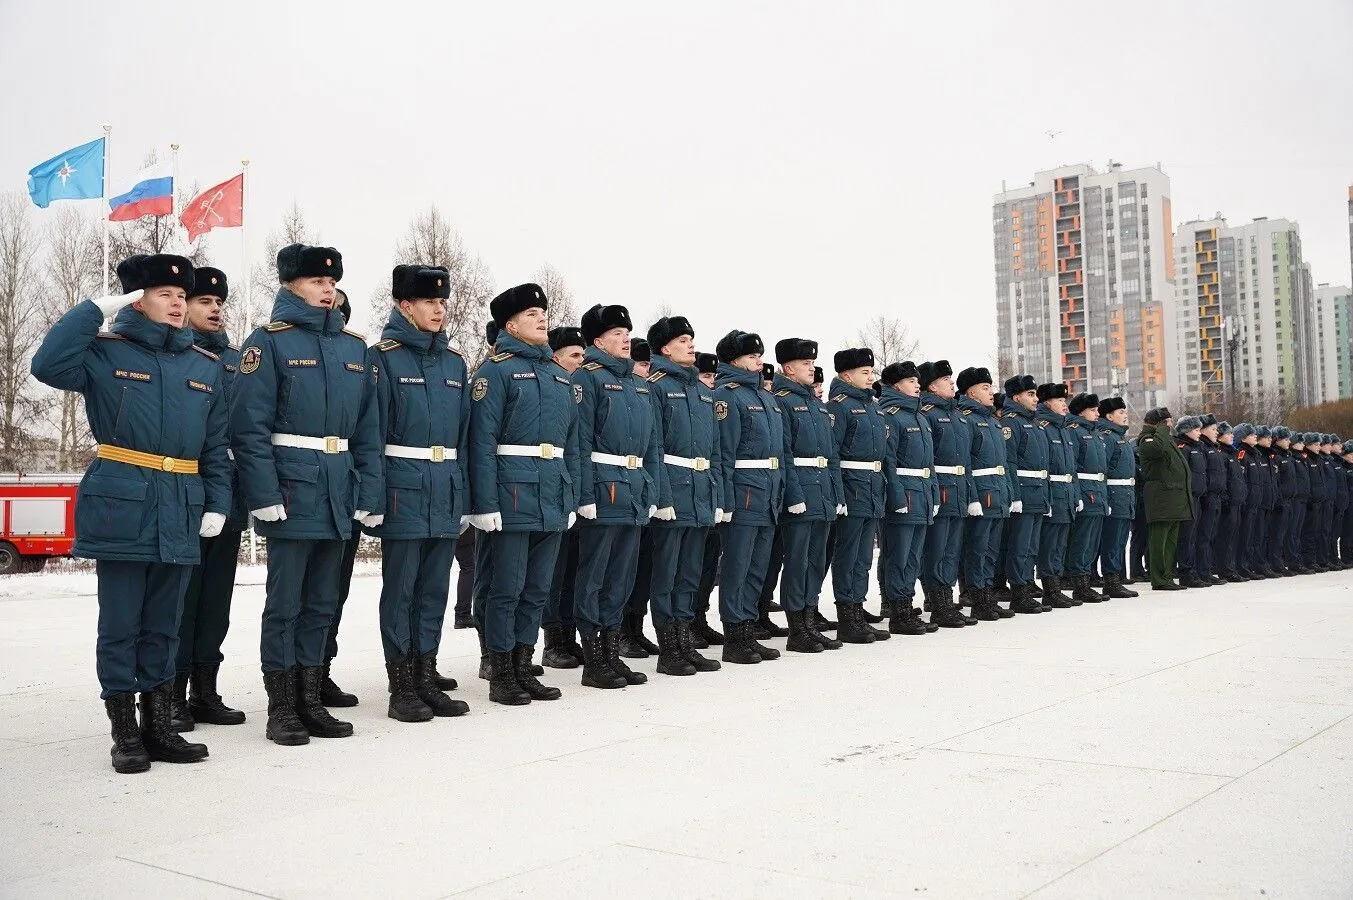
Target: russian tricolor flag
(149, 192)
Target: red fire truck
(37, 520)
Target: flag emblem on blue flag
(76, 174)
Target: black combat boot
(558, 652)
(161, 741)
(597, 672)
(442, 682)
(870, 618)
(737, 647)
(310, 710)
(810, 626)
(205, 703)
(405, 706)
(765, 625)
(670, 660)
(800, 640)
(610, 638)
(949, 598)
(983, 605)
(1081, 590)
(686, 645)
(1113, 587)
(1192, 581)
(1095, 580)
(629, 645)
(637, 633)
(886, 608)
(1022, 601)
(331, 694)
(821, 622)
(503, 686)
(284, 726)
(916, 614)
(852, 628)
(485, 665)
(767, 653)
(425, 685)
(942, 612)
(129, 753)
(701, 632)
(1053, 598)
(905, 620)
(180, 717)
(994, 597)
(522, 668)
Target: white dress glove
(934, 511)
(589, 511)
(1080, 506)
(110, 305)
(842, 509)
(652, 511)
(360, 514)
(212, 523)
(665, 514)
(1108, 510)
(727, 517)
(276, 513)
(902, 511)
(718, 515)
(572, 519)
(464, 523)
(1017, 507)
(488, 521)
(798, 509)
(372, 520)
(974, 508)
(1049, 512)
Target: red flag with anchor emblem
(221, 206)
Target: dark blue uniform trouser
(1113, 538)
(900, 560)
(1311, 532)
(803, 551)
(1227, 541)
(1052, 541)
(139, 606)
(559, 608)
(1021, 550)
(1141, 538)
(344, 586)
(1209, 520)
(981, 549)
(303, 587)
(520, 569)
(206, 603)
(943, 549)
(1189, 562)
(852, 558)
(678, 553)
(607, 559)
(742, 569)
(637, 602)
(1346, 537)
(1254, 550)
(465, 559)
(1086, 532)
(483, 577)
(415, 588)
(1295, 528)
(709, 568)
(1279, 525)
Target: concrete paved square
(1193, 744)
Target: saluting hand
(113, 302)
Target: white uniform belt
(540, 451)
(914, 473)
(305, 442)
(1040, 474)
(1090, 476)
(1060, 479)
(950, 470)
(862, 466)
(994, 470)
(615, 459)
(698, 463)
(1122, 482)
(811, 462)
(772, 463)
(432, 454)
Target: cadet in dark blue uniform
(1342, 499)
(634, 644)
(156, 405)
(1213, 501)
(1225, 543)
(1091, 496)
(1250, 466)
(689, 485)
(524, 472)
(704, 635)
(562, 650)
(991, 492)
(868, 491)
(423, 400)
(754, 465)
(1187, 433)
(1264, 484)
(1026, 453)
(306, 436)
(620, 453)
(206, 603)
(1120, 491)
(812, 452)
(1346, 525)
(1052, 418)
(953, 453)
(1284, 464)
(1317, 507)
(912, 456)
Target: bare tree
(563, 310)
(1267, 407)
(20, 324)
(889, 338)
(73, 242)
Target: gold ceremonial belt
(148, 460)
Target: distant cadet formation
(604, 476)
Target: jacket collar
(1054, 418)
(727, 374)
(516, 346)
(289, 308)
(398, 328)
(621, 368)
(1106, 425)
(215, 341)
(936, 400)
(135, 327)
(893, 397)
(979, 409)
(864, 395)
(686, 374)
(781, 383)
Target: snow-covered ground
(1191, 744)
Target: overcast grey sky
(790, 168)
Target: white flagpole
(180, 241)
(107, 167)
(244, 251)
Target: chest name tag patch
(354, 367)
(559, 378)
(451, 382)
(612, 387)
(407, 379)
(755, 409)
(130, 375)
(677, 396)
(200, 386)
(302, 363)
(523, 374)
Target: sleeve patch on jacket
(249, 360)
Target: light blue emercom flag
(76, 174)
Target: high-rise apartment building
(1332, 311)
(1084, 278)
(1244, 311)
